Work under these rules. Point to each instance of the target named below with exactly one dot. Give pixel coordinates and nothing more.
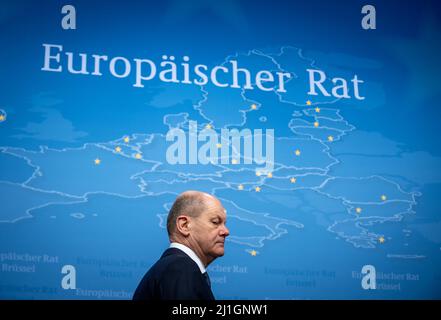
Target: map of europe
(338, 198)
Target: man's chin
(220, 252)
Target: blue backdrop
(85, 182)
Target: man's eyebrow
(218, 216)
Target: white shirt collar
(190, 253)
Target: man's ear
(183, 225)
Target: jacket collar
(189, 253)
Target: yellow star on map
(297, 152)
(126, 139)
(358, 210)
(317, 109)
(2, 118)
(257, 189)
(97, 161)
(293, 180)
(253, 253)
(218, 145)
(138, 156)
(383, 197)
(118, 149)
(234, 161)
(269, 175)
(308, 103)
(240, 187)
(253, 107)
(330, 138)
(208, 126)
(258, 173)
(316, 124)
(381, 239)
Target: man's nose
(225, 232)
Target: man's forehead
(213, 206)
(220, 211)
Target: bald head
(189, 203)
(197, 220)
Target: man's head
(197, 220)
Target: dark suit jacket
(175, 276)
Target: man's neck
(196, 249)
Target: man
(197, 232)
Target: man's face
(209, 230)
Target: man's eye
(215, 222)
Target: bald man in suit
(197, 232)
